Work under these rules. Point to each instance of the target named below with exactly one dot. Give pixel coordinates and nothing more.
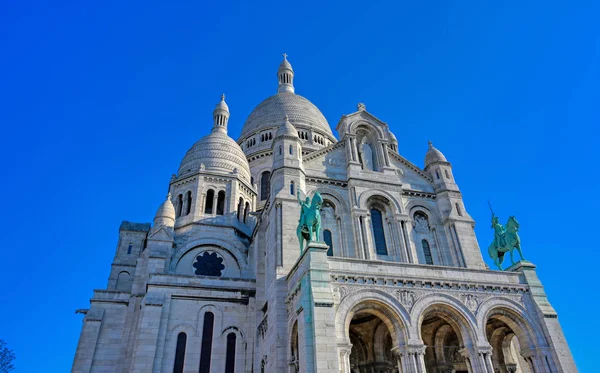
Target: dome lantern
(285, 75)
(221, 116)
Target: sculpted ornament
(309, 224)
(506, 240)
(470, 301)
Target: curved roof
(433, 155)
(218, 152)
(300, 111)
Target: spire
(285, 74)
(221, 116)
(165, 215)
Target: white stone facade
(219, 283)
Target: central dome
(300, 111)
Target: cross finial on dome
(222, 96)
(285, 75)
(430, 143)
(168, 196)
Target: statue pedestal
(311, 301)
(521, 266)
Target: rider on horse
(304, 207)
(499, 232)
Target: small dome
(286, 129)
(299, 110)
(433, 155)
(285, 64)
(216, 152)
(165, 215)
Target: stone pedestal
(316, 320)
(557, 356)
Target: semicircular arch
(378, 303)
(449, 309)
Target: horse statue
(505, 240)
(309, 224)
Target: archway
(509, 336)
(374, 331)
(444, 334)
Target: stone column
(480, 359)
(88, 340)
(146, 343)
(368, 233)
(358, 238)
(344, 351)
(410, 358)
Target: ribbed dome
(433, 155)
(300, 111)
(218, 152)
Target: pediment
(161, 234)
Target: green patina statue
(309, 224)
(506, 240)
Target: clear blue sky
(99, 101)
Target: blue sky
(99, 101)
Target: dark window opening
(378, 232)
(179, 204)
(246, 211)
(230, 353)
(129, 248)
(180, 353)
(265, 186)
(329, 241)
(208, 204)
(207, 336)
(221, 203)
(208, 264)
(427, 252)
(188, 209)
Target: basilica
(394, 281)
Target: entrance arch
(372, 329)
(517, 346)
(445, 332)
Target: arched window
(265, 186)
(292, 188)
(437, 174)
(447, 174)
(378, 233)
(207, 336)
(280, 150)
(221, 202)
(329, 241)
(246, 211)
(208, 203)
(124, 281)
(180, 353)
(240, 209)
(291, 150)
(427, 252)
(295, 348)
(230, 353)
(179, 205)
(129, 248)
(458, 210)
(188, 208)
